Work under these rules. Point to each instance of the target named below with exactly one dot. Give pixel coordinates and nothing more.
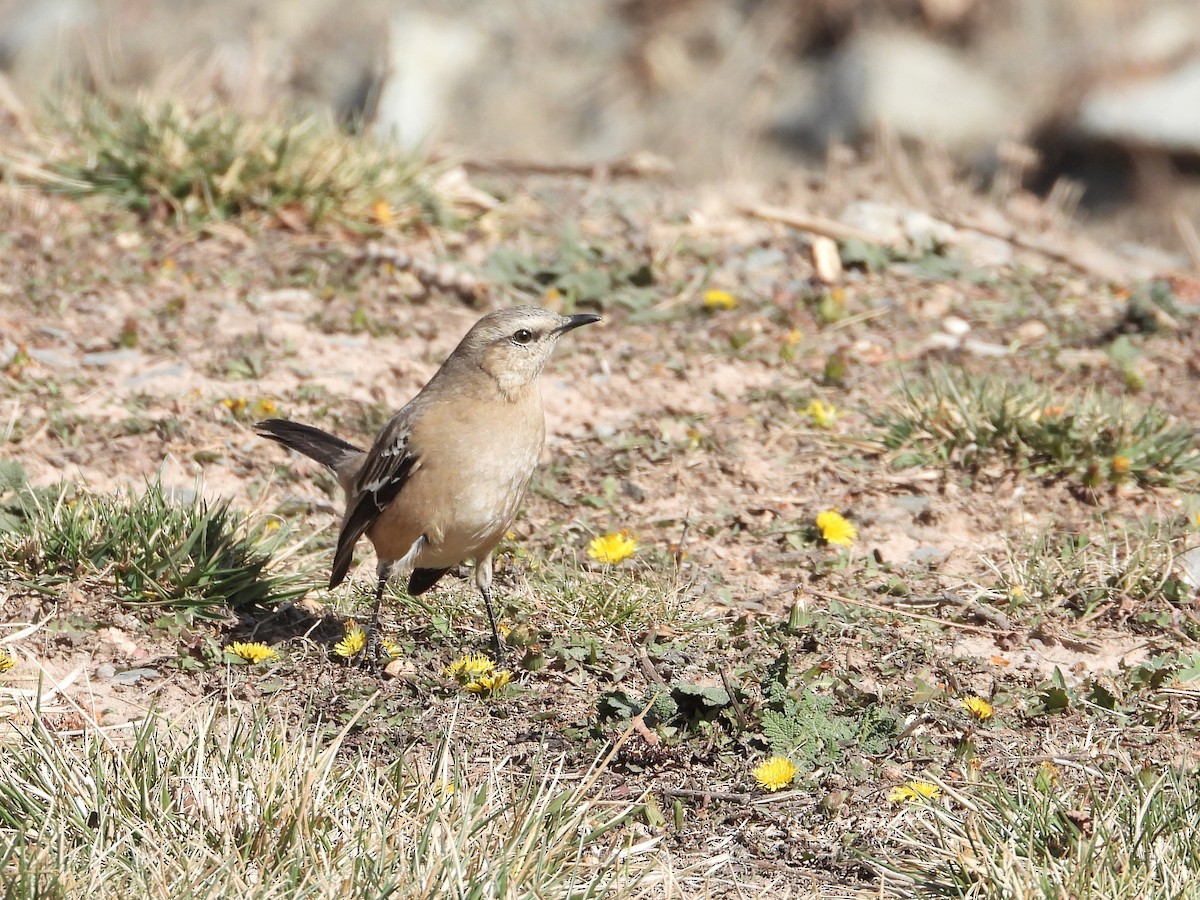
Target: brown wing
(387, 468)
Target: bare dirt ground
(135, 350)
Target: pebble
(955, 326)
(133, 676)
(174, 371)
(1033, 330)
(51, 358)
(108, 358)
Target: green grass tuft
(969, 421)
(148, 550)
(198, 163)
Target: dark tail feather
(341, 563)
(312, 442)
(422, 580)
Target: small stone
(133, 676)
(880, 219)
(398, 668)
(108, 358)
(924, 231)
(1031, 331)
(764, 259)
(161, 372)
(927, 556)
(955, 326)
(941, 341)
(911, 503)
(984, 348)
(105, 671)
(50, 358)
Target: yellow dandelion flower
(444, 787)
(265, 407)
(6, 661)
(470, 667)
(252, 652)
(236, 405)
(715, 299)
(489, 684)
(352, 643)
(391, 648)
(835, 529)
(978, 708)
(382, 211)
(1121, 465)
(823, 414)
(793, 337)
(610, 549)
(775, 774)
(914, 790)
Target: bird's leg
(370, 657)
(483, 580)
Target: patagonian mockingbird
(444, 478)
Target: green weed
(149, 550)
(969, 421)
(199, 163)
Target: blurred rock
(1161, 33)
(104, 359)
(50, 358)
(915, 87)
(898, 226)
(34, 35)
(1159, 111)
(429, 56)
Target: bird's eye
(522, 336)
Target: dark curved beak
(576, 321)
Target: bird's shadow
(290, 620)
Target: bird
(444, 479)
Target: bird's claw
(370, 657)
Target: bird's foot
(370, 657)
(498, 652)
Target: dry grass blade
(224, 805)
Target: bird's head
(513, 345)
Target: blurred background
(1096, 100)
